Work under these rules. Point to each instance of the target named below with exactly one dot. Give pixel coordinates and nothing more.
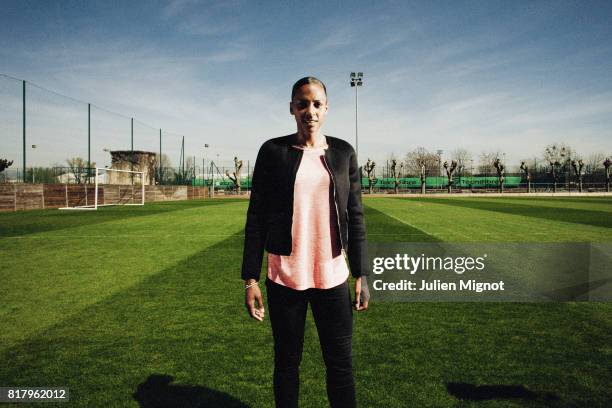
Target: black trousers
(333, 315)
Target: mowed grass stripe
(581, 203)
(48, 279)
(467, 224)
(384, 227)
(603, 202)
(22, 223)
(591, 217)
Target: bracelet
(250, 284)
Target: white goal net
(112, 187)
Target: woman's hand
(253, 300)
(362, 293)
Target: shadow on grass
(471, 392)
(382, 228)
(157, 392)
(572, 215)
(576, 293)
(32, 222)
(577, 200)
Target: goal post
(112, 187)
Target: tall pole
(160, 156)
(132, 146)
(356, 128)
(356, 81)
(88, 142)
(24, 131)
(183, 159)
(132, 136)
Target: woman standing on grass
(305, 210)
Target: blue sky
(505, 76)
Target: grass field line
(26, 332)
(409, 224)
(438, 235)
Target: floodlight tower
(356, 81)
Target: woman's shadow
(157, 392)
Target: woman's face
(309, 107)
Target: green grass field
(105, 302)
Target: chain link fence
(47, 137)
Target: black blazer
(270, 213)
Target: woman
(305, 210)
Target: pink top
(316, 259)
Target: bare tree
(235, 176)
(463, 158)
(500, 168)
(449, 173)
(423, 177)
(4, 164)
(594, 162)
(486, 161)
(578, 166)
(79, 168)
(397, 173)
(607, 165)
(419, 157)
(525, 170)
(556, 155)
(369, 169)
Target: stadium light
(356, 81)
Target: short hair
(307, 80)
